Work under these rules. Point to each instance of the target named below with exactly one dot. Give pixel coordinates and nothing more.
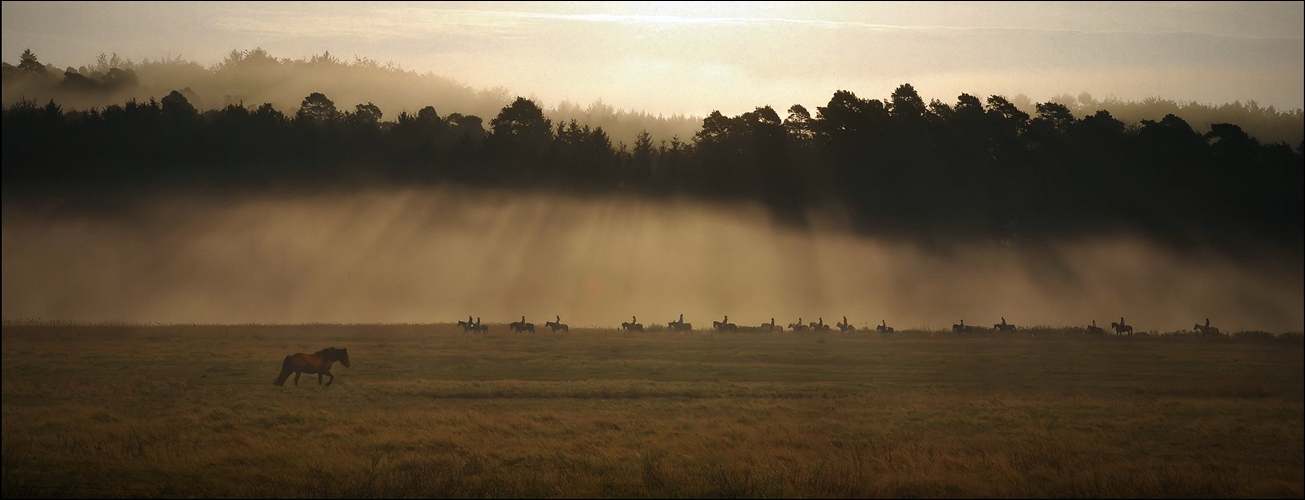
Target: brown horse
(319, 362)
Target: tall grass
(425, 410)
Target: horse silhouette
(1003, 326)
(799, 327)
(770, 327)
(476, 327)
(1094, 329)
(962, 328)
(883, 327)
(522, 326)
(1120, 328)
(844, 327)
(725, 326)
(557, 325)
(820, 326)
(633, 325)
(1206, 329)
(319, 362)
(679, 325)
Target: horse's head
(343, 355)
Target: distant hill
(255, 77)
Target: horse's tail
(287, 367)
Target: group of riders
(517, 326)
(724, 326)
(1120, 328)
(476, 327)
(679, 325)
(1001, 327)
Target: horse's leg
(328, 382)
(319, 378)
(297, 374)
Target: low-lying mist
(441, 254)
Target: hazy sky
(695, 57)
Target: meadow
(426, 410)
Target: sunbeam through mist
(440, 254)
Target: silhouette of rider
(681, 318)
(1003, 320)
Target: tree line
(978, 168)
(256, 76)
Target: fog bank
(439, 255)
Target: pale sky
(692, 58)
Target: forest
(977, 168)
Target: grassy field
(425, 410)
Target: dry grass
(107, 411)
